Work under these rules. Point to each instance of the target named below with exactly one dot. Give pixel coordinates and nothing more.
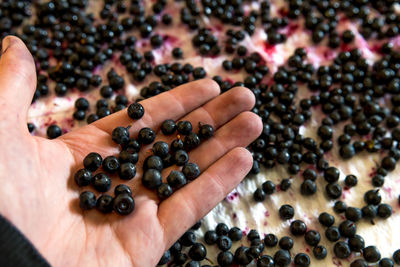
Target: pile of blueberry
(359, 101)
(164, 156)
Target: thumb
(17, 80)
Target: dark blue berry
(356, 243)
(53, 131)
(176, 179)
(101, 182)
(210, 237)
(83, 177)
(206, 131)
(222, 229)
(168, 127)
(286, 243)
(161, 149)
(302, 260)
(92, 161)
(197, 252)
(371, 254)
(326, 219)
(282, 258)
(120, 135)
(191, 171)
(135, 111)
(224, 243)
(146, 136)
(332, 233)
(235, 234)
(127, 171)
(265, 261)
(320, 252)
(152, 179)
(341, 250)
(110, 164)
(153, 162)
(122, 189)
(181, 157)
(298, 227)
(87, 200)
(286, 212)
(123, 204)
(225, 258)
(312, 238)
(184, 127)
(164, 191)
(128, 155)
(105, 204)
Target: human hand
(38, 194)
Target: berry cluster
(164, 156)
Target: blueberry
(123, 204)
(347, 228)
(92, 118)
(320, 252)
(191, 141)
(146, 136)
(241, 256)
(164, 191)
(312, 237)
(259, 195)
(120, 135)
(384, 211)
(127, 171)
(286, 212)
(192, 264)
(135, 111)
(332, 233)
(210, 237)
(340, 206)
(128, 155)
(168, 127)
(153, 162)
(101, 182)
(132, 146)
(87, 200)
(122, 189)
(386, 262)
(181, 157)
(285, 184)
(188, 239)
(197, 252)
(206, 131)
(191, 171)
(268, 187)
(110, 164)
(326, 219)
(341, 250)
(369, 211)
(351, 180)
(184, 127)
(371, 254)
(225, 258)
(222, 229)
(83, 177)
(224, 243)
(79, 115)
(235, 234)
(331, 175)
(302, 260)
(151, 179)
(53, 131)
(176, 179)
(270, 240)
(105, 204)
(356, 243)
(161, 149)
(265, 261)
(353, 214)
(286, 243)
(308, 188)
(372, 197)
(92, 161)
(282, 258)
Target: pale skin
(39, 196)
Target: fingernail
(5, 44)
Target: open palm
(38, 195)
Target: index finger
(172, 104)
